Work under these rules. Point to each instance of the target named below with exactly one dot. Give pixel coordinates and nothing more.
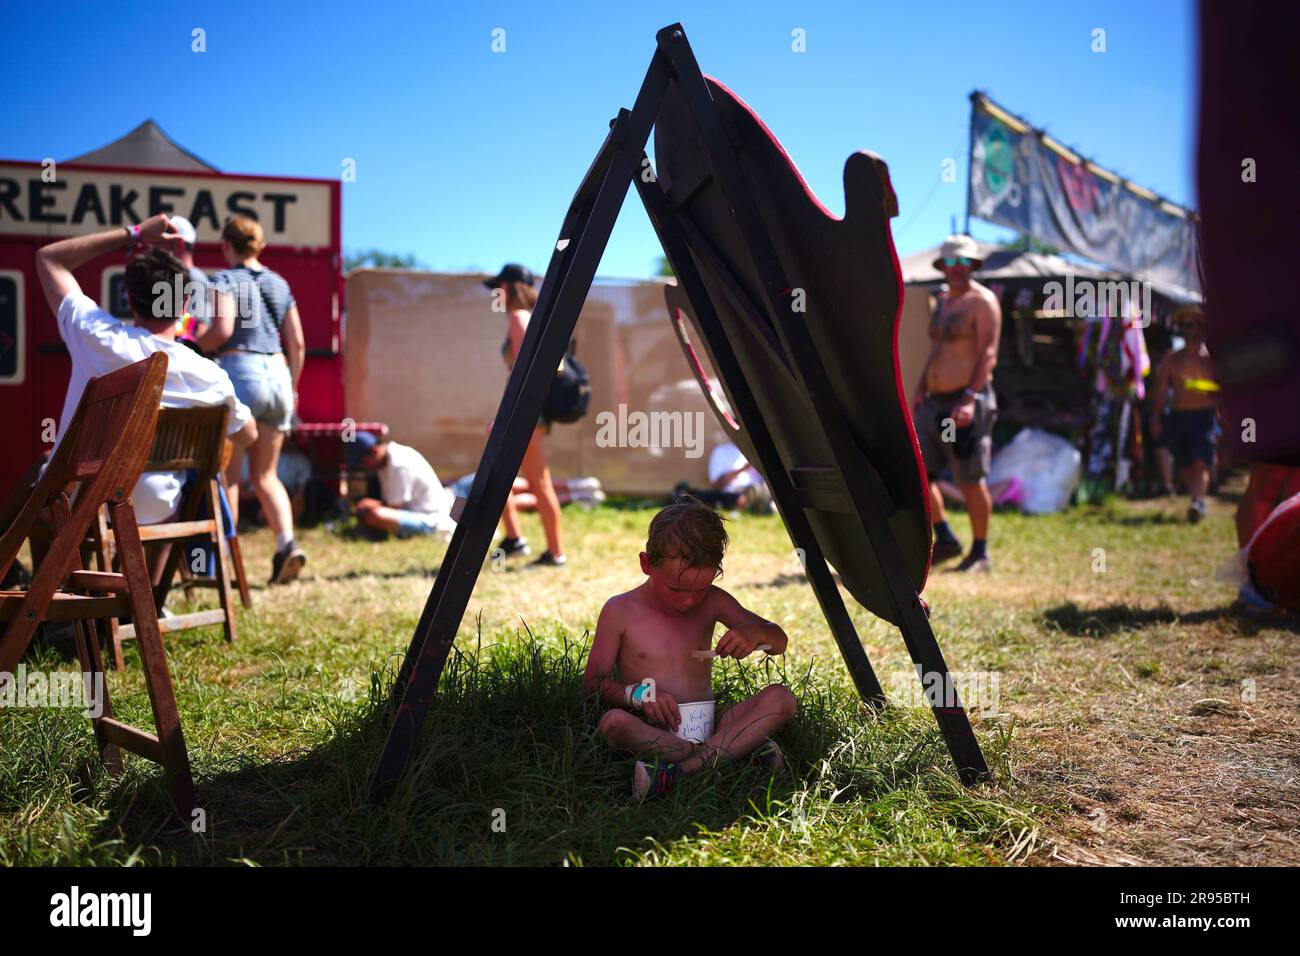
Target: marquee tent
(145, 147)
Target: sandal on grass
(654, 780)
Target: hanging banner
(1023, 179)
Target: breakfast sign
(67, 200)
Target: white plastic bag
(1047, 465)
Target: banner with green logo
(1022, 179)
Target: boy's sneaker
(286, 564)
(548, 560)
(980, 564)
(650, 780)
(1196, 511)
(768, 757)
(945, 551)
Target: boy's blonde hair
(690, 530)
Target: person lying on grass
(652, 663)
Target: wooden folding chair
(186, 440)
(236, 566)
(97, 463)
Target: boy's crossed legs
(741, 730)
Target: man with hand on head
(98, 343)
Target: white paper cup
(697, 721)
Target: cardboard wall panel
(424, 356)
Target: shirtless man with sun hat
(954, 407)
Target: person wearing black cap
(513, 293)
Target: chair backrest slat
(189, 439)
(102, 419)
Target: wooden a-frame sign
(798, 312)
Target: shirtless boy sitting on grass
(663, 629)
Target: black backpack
(570, 393)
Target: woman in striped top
(261, 346)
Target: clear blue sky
(468, 158)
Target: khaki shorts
(967, 451)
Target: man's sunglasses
(957, 261)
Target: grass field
(1138, 720)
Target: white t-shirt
(99, 343)
(727, 457)
(410, 483)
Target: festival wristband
(637, 695)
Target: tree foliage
(378, 259)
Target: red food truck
(138, 176)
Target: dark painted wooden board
(852, 292)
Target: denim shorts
(412, 523)
(263, 383)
